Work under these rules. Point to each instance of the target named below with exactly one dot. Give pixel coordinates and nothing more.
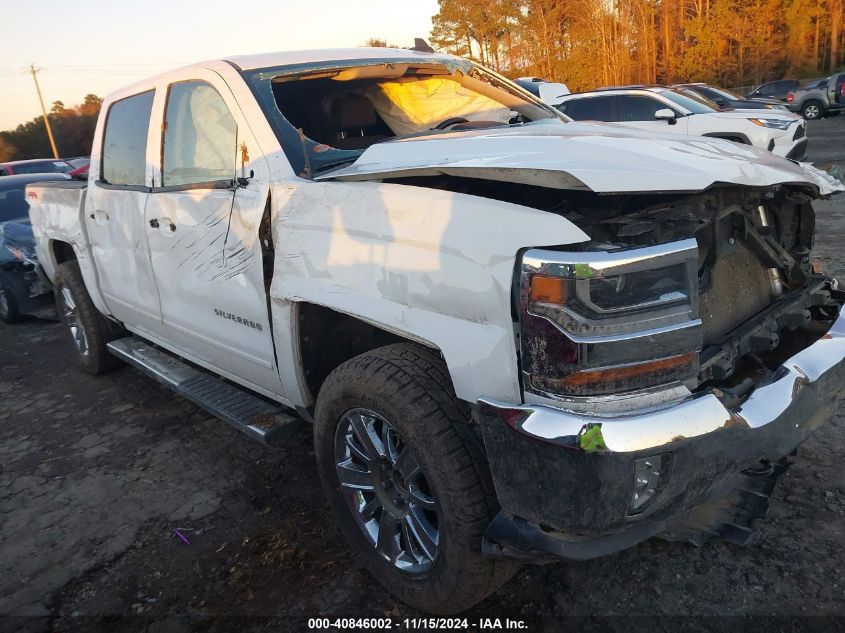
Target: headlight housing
(607, 322)
(777, 124)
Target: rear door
(203, 232)
(114, 213)
(837, 87)
(594, 108)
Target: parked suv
(669, 110)
(819, 99)
(513, 337)
(35, 166)
(547, 91)
(727, 100)
(774, 89)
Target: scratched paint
(432, 265)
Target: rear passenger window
(591, 109)
(125, 140)
(636, 108)
(200, 136)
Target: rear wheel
(406, 479)
(89, 330)
(812, 110)
(8, 305)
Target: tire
(407, 388)
(8, 303)
(90, 331)
(812, 110)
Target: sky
(98, 46)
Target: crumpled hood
(605, 158)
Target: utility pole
(34, 70)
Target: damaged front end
(669, 367)
(711, 291)
(23, 288)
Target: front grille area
(799, 133)
(740, 288)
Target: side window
(200, 136)
(766, 90)
(125, 141)
(635, 108)
(591, 109)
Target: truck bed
(55, 209)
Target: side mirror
(666, 114)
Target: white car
(667, 110)
(549, 92)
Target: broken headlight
(604, 322)
(23, 254)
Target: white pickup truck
(517, 338)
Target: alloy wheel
(77, 330)
(4, 302)
(811, 112)
(386, 491)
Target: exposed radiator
(740, 288)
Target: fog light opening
(648, 476)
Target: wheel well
(63, 252)
(328, 338)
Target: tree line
(73, 130)
(591, 43)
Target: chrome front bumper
(547, 475)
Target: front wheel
(89, 330)
(409, 485)
(812, 110)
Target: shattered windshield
(327, 115)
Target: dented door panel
(433, 266)
(207, 257)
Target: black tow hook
(734, 396)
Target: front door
(203, 233)
(638, 111)
(115, 209)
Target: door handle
(154, 223)
(100, 216)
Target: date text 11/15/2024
(417, 624)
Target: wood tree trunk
(835, 26)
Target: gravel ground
(96, 473)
